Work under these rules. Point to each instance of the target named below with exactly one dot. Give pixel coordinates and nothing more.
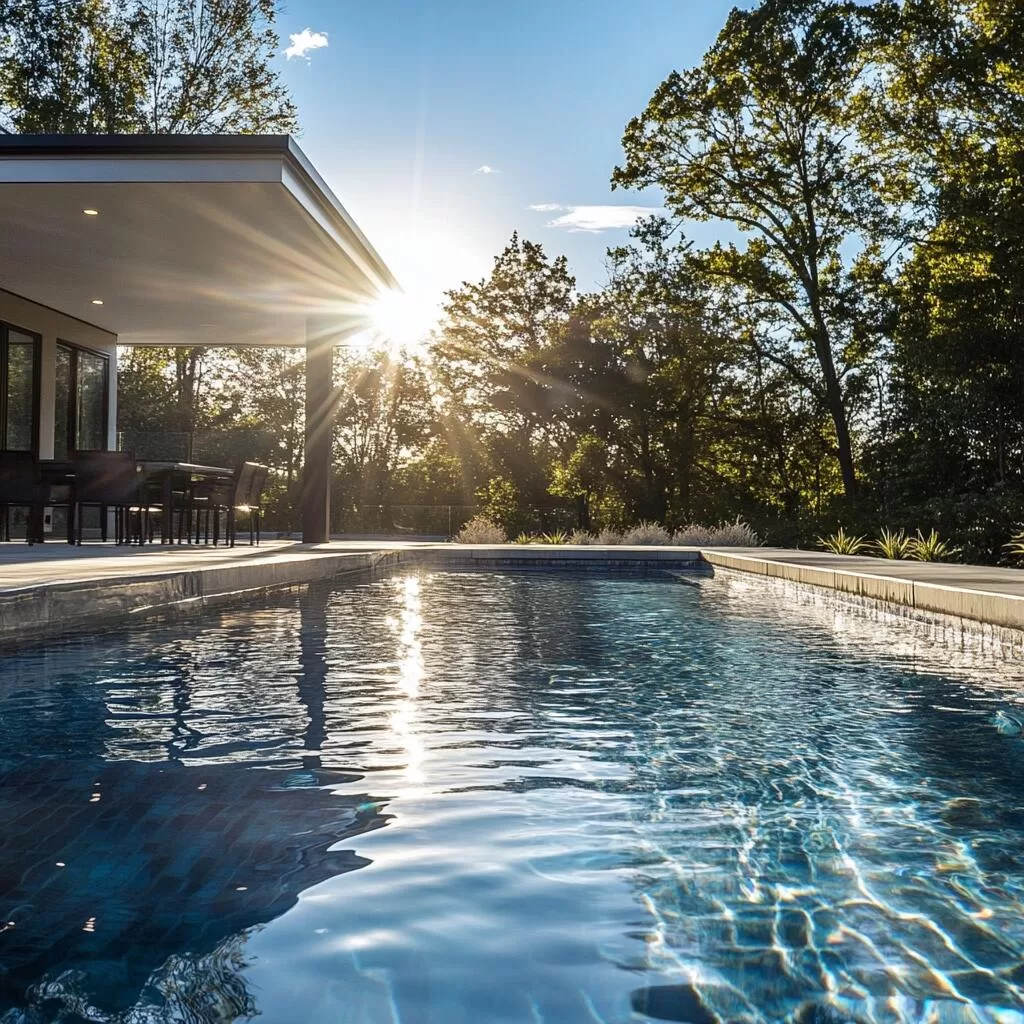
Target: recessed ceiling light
(91, 213)
(97, 302)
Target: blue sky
(409, 98)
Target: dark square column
(321, 337)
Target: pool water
(463, 798)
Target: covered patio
(169, 241)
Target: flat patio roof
(196, 240)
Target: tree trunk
(837, 410)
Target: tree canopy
(848, 353)
(141, 66)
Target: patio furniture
(110, 480)
(242, 492)
(172, 485)
(167, 494)
(254, 503)
(22, 484)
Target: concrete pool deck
(55, 589)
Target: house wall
(53, 325)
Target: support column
(321, 337)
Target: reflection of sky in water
(495, 797)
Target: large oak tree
(759, 137)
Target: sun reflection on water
(403, 722)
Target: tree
(72, 67)
(760, 136)
(269, 389)
(208, 68)
(491, 359)
(384, 414)
(947, 107)
(133, 66)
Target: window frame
(74, 348)
(37, 367)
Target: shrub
(895, 546)
(734, 534)
(693, 535)
(647, 533)
(842, 543)
(607, 536)
(500, 503)
(1015, 547)
(480, 530)
(525, 538)
(582, 537)
(557, 537)
(930, 548)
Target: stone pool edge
(54, 608)
(974, 604)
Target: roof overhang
(199, 240)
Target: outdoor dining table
(167, 475)
(172, 476)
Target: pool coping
(991, 601)
(901, 585)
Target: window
(82, 391)
(19, 391)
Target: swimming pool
(494, 797)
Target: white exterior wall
(52, 326)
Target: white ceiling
(181, 262)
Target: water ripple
(476, 797)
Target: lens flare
(402, 321)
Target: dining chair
(254, 502)
(21, 485)
(213, 498)
(110, 480)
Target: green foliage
(1015, 545)
(556, 537)
(499, 501)
(159, 66)
(931, 548)
(843, 543)
(894, 545)
(758, 136)
(383, 414)
(850, 356)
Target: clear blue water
(463, 798)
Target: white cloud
(486, 169)
(304, 41)
(595, 219)
(546, 207)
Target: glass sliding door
(81, 400)
(62, 403)
(19, 409)
(19, 372)
(91, 401)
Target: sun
(402, 321)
